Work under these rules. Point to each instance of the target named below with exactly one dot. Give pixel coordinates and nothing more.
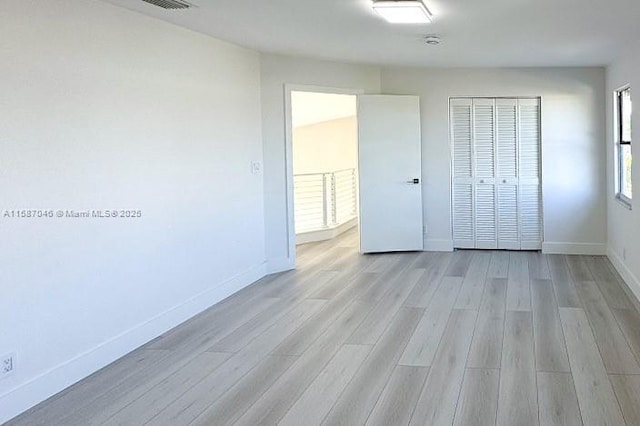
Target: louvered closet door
(484, 136)
(507, 176)
(496, 173)
(530, 212)
(463, 166)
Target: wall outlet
(7, 365)
(624, 254)
(256, 167)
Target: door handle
(415, 181)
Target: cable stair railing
(324, 200)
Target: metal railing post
(325, 222)
(334, 211)
(354, 198)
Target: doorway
(324, 152)
(381, 192)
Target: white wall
(623, 224)
(326, 147)
(103, 108)
(313, 107)
(572, 143)
(276, 72)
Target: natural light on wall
(403, 12)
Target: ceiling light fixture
(403, 11)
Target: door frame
(540, 98)
(288, 153)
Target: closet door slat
(463, 165)
(530, 172)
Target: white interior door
(390, 169)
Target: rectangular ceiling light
(403, 12)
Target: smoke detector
(432, 40)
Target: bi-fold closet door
(496, 173)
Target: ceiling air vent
(169, 4)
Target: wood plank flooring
(463, 338)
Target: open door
(390, 166)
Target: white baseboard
(273, 266)
(326, 234)
(69, 372)
(629, 277)
(438, 245)
(593, 249)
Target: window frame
(620, 142)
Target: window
(624, 188)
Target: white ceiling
(311, 108)
(474, 32)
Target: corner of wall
(629, 277)
(274, 266)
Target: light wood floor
(464, 338)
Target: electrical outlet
(256, 167)
(624, 254)
(7, 365)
